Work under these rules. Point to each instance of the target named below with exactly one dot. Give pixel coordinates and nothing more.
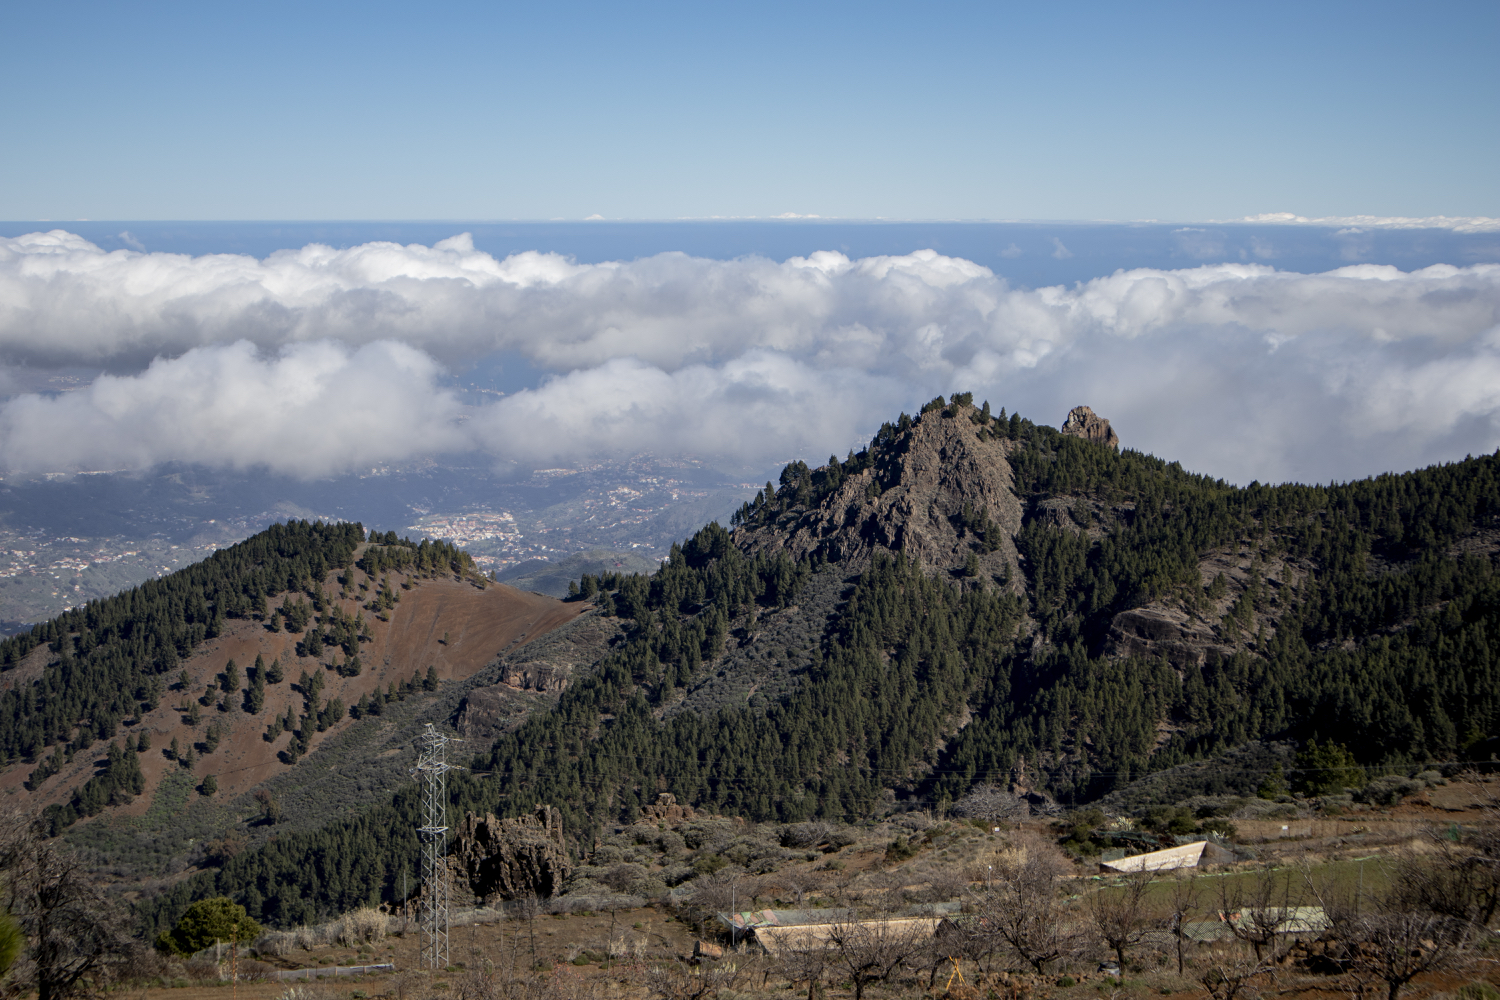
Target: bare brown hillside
(456, 627)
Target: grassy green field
(1370, 875)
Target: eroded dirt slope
(452, 626)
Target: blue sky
(918, 111)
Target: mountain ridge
(971, 600)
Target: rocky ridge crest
(913, 503)
(1085, 423)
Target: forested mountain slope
(977, 599)
(234, 675)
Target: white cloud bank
(317, 360)
(314, 408)
(1457, 223)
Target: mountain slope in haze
(67, 540)
(980, 600)
(553, 578)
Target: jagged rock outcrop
(922, 492)
(665, 810)
(1085, 423)
(512, 858)
(544, 677)
(487, 712)
(1166, 632)
(544, 666)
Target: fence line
(337, 970)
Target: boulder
(665, 810)
(1085, 423)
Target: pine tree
(255, 697)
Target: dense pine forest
(928, 682)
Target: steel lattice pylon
(432, 770)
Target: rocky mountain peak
(937, 487)
(1085, 423)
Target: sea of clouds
(318, 361)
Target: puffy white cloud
(760, 408)
(1236, 369)
(312, 410)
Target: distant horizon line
(1469, 224)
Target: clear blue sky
(536, 111)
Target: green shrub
(12, 940)
(1219, 826)
(1170, 820)
(708, 864)
(899, 850)
(1477, 991)
(1075, 831)
(207, 921)
(1274, 786)
(1327, 769)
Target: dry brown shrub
(253, 971)
(560, 983)
(308, 938)
(684, 982)
(276, 943)
(1019, 906)
(141, 964)
(407, 984)
(476, 984)
(202, 970)
(309, 991)
(362, 926)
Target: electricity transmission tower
(432, 770)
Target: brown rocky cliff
(512, 858)
(939, 465)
